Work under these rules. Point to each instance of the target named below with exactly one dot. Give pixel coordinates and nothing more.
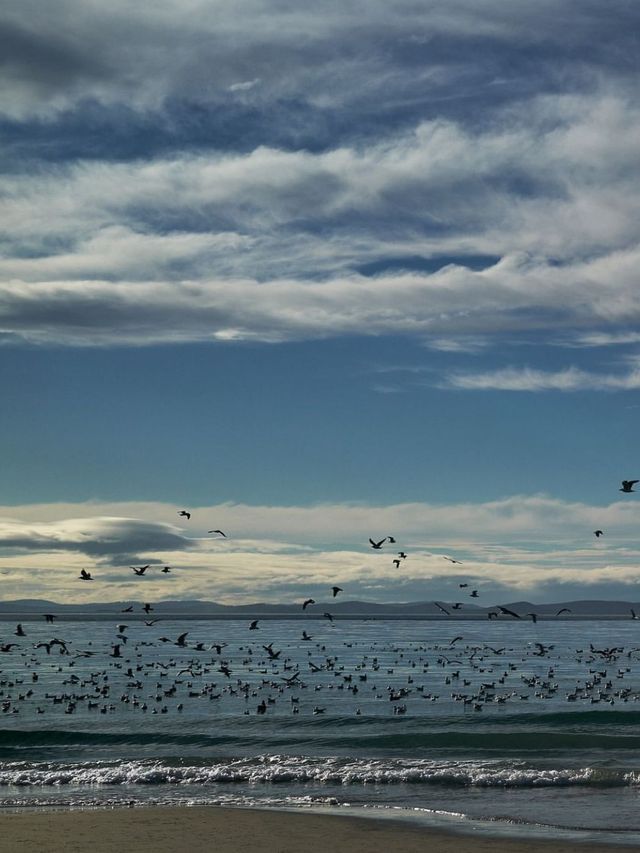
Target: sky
(315, 275)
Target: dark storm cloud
(94, 537)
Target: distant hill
(339, 609)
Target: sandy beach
(203, 829)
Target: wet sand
(206, 829)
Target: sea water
(510, 725)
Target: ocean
(499, 726)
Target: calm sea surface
(499, 726)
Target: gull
(534, 617)
(563, 610)
(254, 625)
(455, 640)
(456, 606)
(633, 614)
(473, 593)
(19, 632)
(127, 609)
(396, 563)
(462, 585)
(451, 560)
(150, 622)
(306, 603)
(336, 590)
(6, 647)
(147, 608)
(392, 541)
(85, 575)
(181, 641)
(218, 531)
(140, 570)
(439, 606)
(305, 636)
(377, 545)
(508, 612)
(122, 628)
(328, 616)
(402, 555)
(165, 570)
(597, 533)
(184, 513)
(627, 486)
(115, 651)
(50, 617)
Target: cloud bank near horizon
(536, 547)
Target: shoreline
(166, 829)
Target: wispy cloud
(529, 379)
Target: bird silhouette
(184, 513)
(335, 590)
(218, 531)
(85, 575)
(508, 612)
(165, 570)
(440, 607)
(597, 533)
(627, 486)
(254, 625)
(377, 545)
(140, 570)
(306, 603)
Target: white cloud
(121, 253)
(528, 379)
(536, 545)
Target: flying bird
(377, 545)
(597, 533)
(627, 486)
(402, 555)
(508, 612)
(181, 641)
(563, 610)
(306, 603)
(254, 625)
(396, 563)
(451, 560)
(147, 608)
(328, 616)
(473, 593)
(218, 531)
(165, 570)
(335, 590)
(85, 575)
(440, 607)
(19, 632)
(184, 513)
(392, 541)
(140, 570)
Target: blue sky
(317, 275)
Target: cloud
(523, 545)
(265, 245)
(528, 379)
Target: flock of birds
(211, 671)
